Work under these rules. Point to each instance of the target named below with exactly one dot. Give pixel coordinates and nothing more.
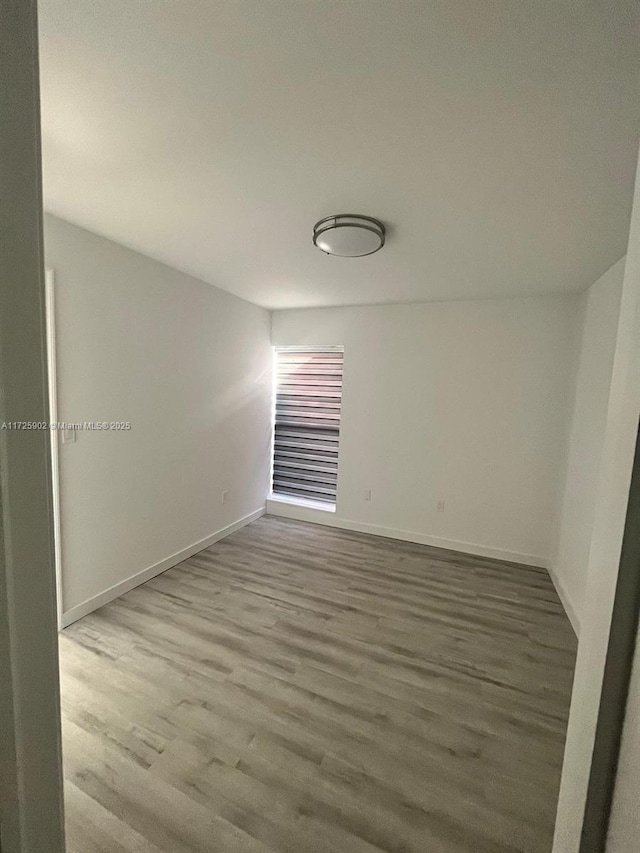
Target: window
(307, 423)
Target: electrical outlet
(224, 496)
(367, 495)
(440, 506)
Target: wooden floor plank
(301, 689)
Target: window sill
(290, 499)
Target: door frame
(52, 381)
(31, 789)
(617, 676)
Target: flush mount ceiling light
(348, 235)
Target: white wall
(601, 310)
(189, 366)
(604, 557)
(466, 402)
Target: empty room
(340, 306)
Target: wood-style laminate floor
(301, 689)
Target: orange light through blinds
(307, 423)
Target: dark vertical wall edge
(617, 674)
(31, 799)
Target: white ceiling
(496, 139)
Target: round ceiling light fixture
(349, 235)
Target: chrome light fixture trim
(331, 238)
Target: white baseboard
(302, 513)
(569, 609)
(96, 601)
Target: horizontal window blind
(307, 423)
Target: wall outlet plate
(440, 506)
